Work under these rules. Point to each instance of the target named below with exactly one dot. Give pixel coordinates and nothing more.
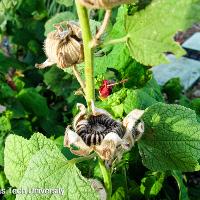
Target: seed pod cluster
(103, 4)
(94, 130)
(63, 47)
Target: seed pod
(95, 128)
(99, 132)
(63, 47)
(103, 4)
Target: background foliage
(44, 101)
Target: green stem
(88, 53)
(107, 178)
(115, 41)
(125, 180)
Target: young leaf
(18, 152)
(171, 139)
(49, 169)
(150, 31)
(137, 99)
(152, 184)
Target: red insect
(106, 88)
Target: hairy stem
(78, 77)
(88, 53)
(107, 178)
(102, 29)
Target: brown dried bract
(63, 47)
(103, 4)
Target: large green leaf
(171, 140)
(150, 31)
(18, 152)
(50, 169)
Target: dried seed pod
(103, 4)
(134, 125)
(95, 128)
(101, 133)
(63, 47)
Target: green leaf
(137, 74)
(34, 46)
(57, 81)
(94, 26)
(5, 127)
(115, 100)
(183, 194)
(3, 180)
(118, 110)
(150, 31)
(4, 124)
(6, 91)
(118, 58)
(171, 139)
(118, 29)
(153, 89)
(173, 89)
(67, 3)
(22, 127)
(7, 62)
(152, 184)
(50, 169)
(33, 102)
(59, 17)
(119, 194)
(19, 151)
(18, 111)
(137, 99)
(195, 105)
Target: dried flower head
(99, 132)
(103, 4)
(63, 47)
